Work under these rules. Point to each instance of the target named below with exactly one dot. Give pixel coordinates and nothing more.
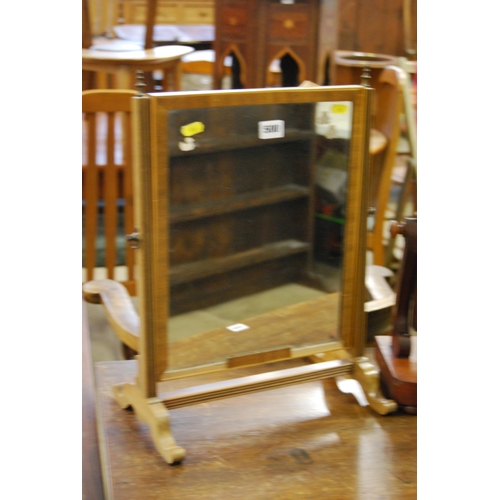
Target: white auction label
(238, 327)
(271, 129)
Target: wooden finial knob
(140, 84)
(397, 228)
(366, 76)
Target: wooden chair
(107, 185)
(384, 141)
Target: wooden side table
(302, 34)
(310, 441)
(124, 64)
(349, 66)
(195, 35)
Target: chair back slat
(128, 209)
(111, 198)
(91, 196)
(107, 185)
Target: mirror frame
(151, 210)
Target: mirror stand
(314, 340)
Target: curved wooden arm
(119, 308)
(382, 294)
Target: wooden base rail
(255, 383)
(154, 411)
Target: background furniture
(388, 106)
(107, 184)
(201, 62)
(167, 11)
(387, 27)
(350, 67)
(384, 27)
(109, 13)
(122, 59)
(303, 35)
(397, 354)
(124, 65)
(198, 36)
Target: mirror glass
(257, 202)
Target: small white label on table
(271, 129)
(238, 327)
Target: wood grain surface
(92, 487)
(305, 441)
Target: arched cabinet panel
(276, 36)
(286, 69)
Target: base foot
(153, 412)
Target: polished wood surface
(92, 486)
(398, 375)
(125, 64)
(280, 444)
(397, 355)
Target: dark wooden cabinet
(282, 43)
(378, 26)
(299, 37)
(241, 210)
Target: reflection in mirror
(257, 217)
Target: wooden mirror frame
(151, 192)
(152, 210)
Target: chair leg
(128, 352)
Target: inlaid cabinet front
(297, 36)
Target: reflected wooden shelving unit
(240, 209)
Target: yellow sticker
(192, 129)
(340, 109)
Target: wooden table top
(156, 55)
(304, 441)
(164, 33)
